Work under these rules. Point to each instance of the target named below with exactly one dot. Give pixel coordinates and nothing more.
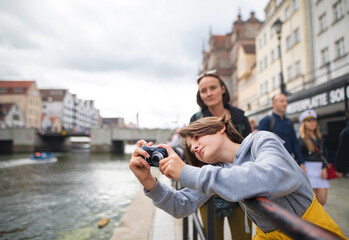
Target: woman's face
(310, 124)
(206, 147)
(211, 92)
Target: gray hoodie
(262, 168)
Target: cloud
(129, 56)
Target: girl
(310, 143)
(234, 169)
(213, 98)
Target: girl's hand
(324, 173)
(171, 166)
(140, 167)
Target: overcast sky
(128, 56)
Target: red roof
(15, 87)
(219, 40)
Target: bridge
(28, 140)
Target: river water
(64, 199)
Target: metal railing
(290, 224)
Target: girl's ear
(222, 130)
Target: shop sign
(320, 100)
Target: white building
(75, 114)
(330, 38)
(59, 103)
(11, 116)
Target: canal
(64, 199)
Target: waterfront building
(75, 114)
(50, 124)
(86, 116)
(287, 55)
(28, 98)
(223, 52)
(113, 123)
(246, 73)
(311, 58)
(11, 116)
(58, 103)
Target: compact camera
(155, 155)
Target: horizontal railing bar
(292, 225)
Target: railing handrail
(290, 224)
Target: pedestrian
(223, 163)
(342, 155)
(253, 125)
(282, 126)
(213, 98)
(311, 144)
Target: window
(287, 12)
(323, 22)
(272, 56)
(289, 72)
(296, 36)
(340, 51)
(265, 62)
(273, 82)
(278, 52)
(260, 65)
(288, 42)
(264, 39)
(18, 90)
(295, 5)
(324, 56)
(266, 86)
(261, 88)
(298, 69)
(3, 90)
(338, 11)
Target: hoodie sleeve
(179, 204)
(264, 168)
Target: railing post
(211, 223)
(185, 228)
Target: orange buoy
(103, 222)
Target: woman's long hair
(208, 126)
(306, 137)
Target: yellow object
(314, 214)
(103, 222)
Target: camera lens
(157, 156)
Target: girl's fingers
(168, 148)
(140, 151)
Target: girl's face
(310, 124)
(206, 148)
(211, 92)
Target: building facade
(59, 103)
(75, 114)
(28, 98)
(312, 56)
(222, 54)
(11, 116)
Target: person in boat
(223, 163)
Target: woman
(310, 143)
(234, 169)
(213, 98)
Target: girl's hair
(226, 95)
(306, 138)
(208, 126)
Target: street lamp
(277, 25)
